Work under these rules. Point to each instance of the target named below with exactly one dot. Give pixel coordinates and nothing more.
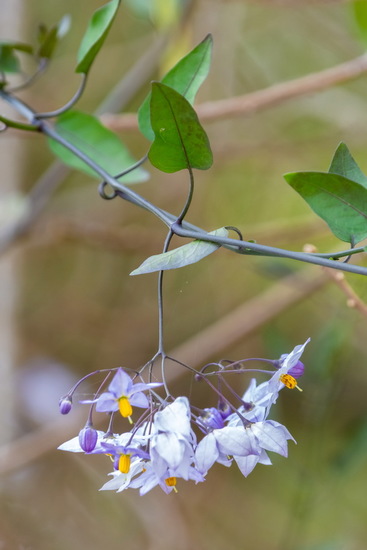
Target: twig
(353, 300)
(253, 102)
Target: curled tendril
(201, 374)
(103, 194)
(236, 230)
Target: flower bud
(65, 404)
(298, 370)
(88, 437)
(211, 418)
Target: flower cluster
(167, 444)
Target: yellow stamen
(289, 381)
(171, 482)
(124, 464)
(125, 408)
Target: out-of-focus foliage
(95, 35)
(9, 62)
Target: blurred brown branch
(128, 238)
(253, 102)
(353, 300)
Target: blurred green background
(75, 308)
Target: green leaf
(359, 8)
(185, 77)
(339, 201)
(344, 164)
(92, 138)
(180, 140)
(9, 62)
(179, 257)
(95, 35)
(49, 38)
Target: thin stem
(342, 253)
(18, 125)
(131, 168)
(160, 316)
(68, 105)
(90, 415)
(168, 239)
(231, 390)
(189, 197)
(233, 365)
(40, 69)
(160, 296)
(242, 247)
(77, 384)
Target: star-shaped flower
(123, 394)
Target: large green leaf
(179, 257)
(9, 62)
(86, 133)
(344, 164)
(185, 77)
(95, 35)
(180, 140)
(339, 201)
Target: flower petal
(235, 441)
(121, 384)
(107, 403)
(139, 399)
(175, 417)
(206, 453)
(270, 437)
(169, 447)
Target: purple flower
(210, 419)
(123, 394)
(266, 435)
(167, 480)
(219, 444)
(122, 455)
(171, 444)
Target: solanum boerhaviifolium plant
(167, 437)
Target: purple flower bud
(211, 418)
(298, 370)
(88, 437)
(65, 404)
